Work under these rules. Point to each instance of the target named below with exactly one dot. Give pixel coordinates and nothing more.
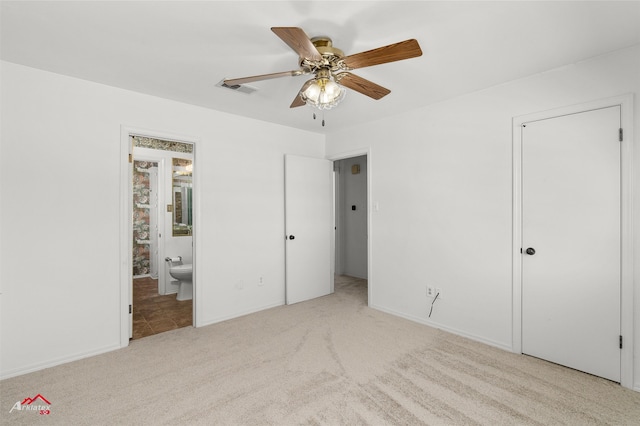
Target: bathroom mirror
(182, 170)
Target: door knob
(292, 237)
(531, 251)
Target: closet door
(571, 241)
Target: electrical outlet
(260, 281)
(431, 291)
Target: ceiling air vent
(237, 87)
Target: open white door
(309, 226)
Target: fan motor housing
(324, 45)
(331, 56)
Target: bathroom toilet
(184, 274)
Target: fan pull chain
(314, 117)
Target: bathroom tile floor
(153, 313)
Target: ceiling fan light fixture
(332, 68)
(323, 93)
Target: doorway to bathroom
(161, 235)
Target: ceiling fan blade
(298, 100)
(362, 85)
(297, 40)
(236, 81)
(393, 52)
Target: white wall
(442, 176)
(60, 224)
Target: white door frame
(126, 223)
(351, 154)
(626, 179)
(336, 245)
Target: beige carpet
(328, 361)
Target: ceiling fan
(331, 67)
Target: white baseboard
(354, 275)
(52, 363)
(206, 322)
(499, 345)
(135, 277)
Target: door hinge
(131, 158)
(620, 134)
(130, 309)
(620, 342)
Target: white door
(309, 224)
(571, 241)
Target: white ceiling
(181, 50)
